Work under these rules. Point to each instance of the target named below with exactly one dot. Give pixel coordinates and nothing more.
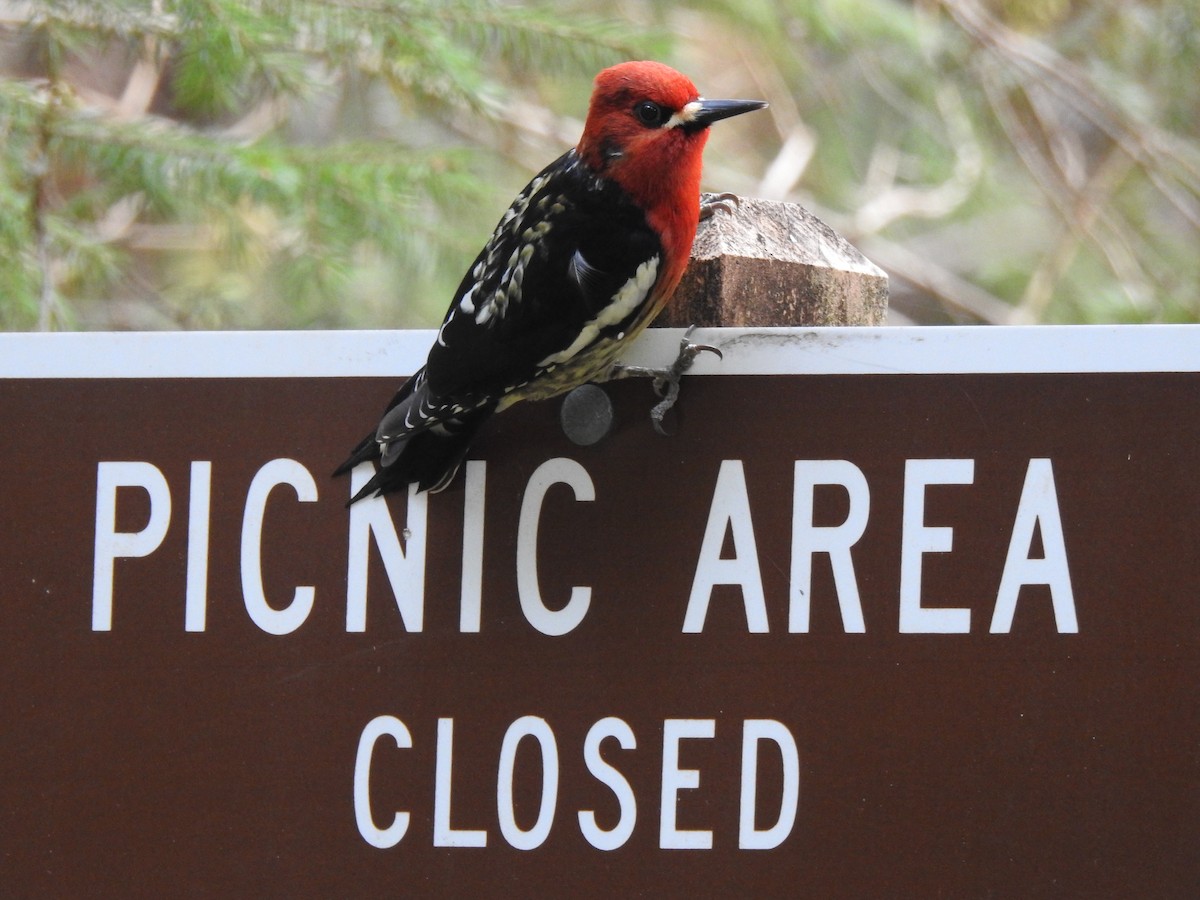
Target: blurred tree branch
(1007, 162)
(291, 163)
(193, 152)
(1058, 159)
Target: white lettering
(730, 510)
(112, 544)
(383, 838)
(443, 834)
(518, 837)
(199, 500)
(809, 539)
(1038, 509)
(917, 539)
(471, 603)
(405, 567)
(753, 732)
(266, 617)
(615, 837)
(675, 779)
(546, 620)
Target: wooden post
(756, 264)
(763, 263)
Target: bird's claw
(666, 381)
(688, 351)
(711, 204)
(666, 385)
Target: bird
(585, 257)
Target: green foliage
(166, 151)
(1024, 161)
(334, 163)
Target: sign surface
(906, 612)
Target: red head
(646, 129)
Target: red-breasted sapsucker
(587, 255)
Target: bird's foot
(666, 380)
(711, 204)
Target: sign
(905, 612)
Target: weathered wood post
(755, 264)
(762, 263)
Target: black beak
(714, 110)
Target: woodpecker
(580, 263)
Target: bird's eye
(650, 113)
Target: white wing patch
(510, 285)
(631, 295)
(467, 304)
(530, 239)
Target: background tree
(205, 163)
(231, 163)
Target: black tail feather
(367, 448)
(429, 459)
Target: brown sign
(843, 634)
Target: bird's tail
(429, 458)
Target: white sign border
(747, 351)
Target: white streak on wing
(467, 303)
(512, 279)
(625, 301)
